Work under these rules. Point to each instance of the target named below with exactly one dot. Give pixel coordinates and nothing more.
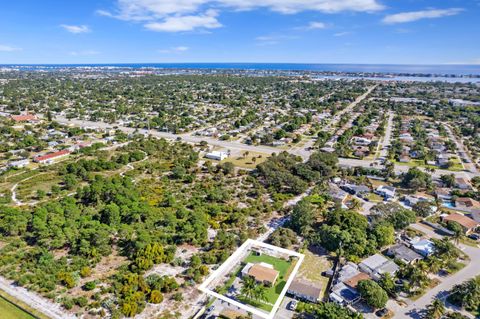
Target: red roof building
(24, 118)
(51, 156)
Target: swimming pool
(448, 204)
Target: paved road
(349, 108)
(462, 152)
(236, 145)
(388, 135)
(41, 304)
(469, 271)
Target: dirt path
(41, 304)
(14, 193)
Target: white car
(292, 305)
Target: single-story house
(261, 272)
(353, 282)
(462, 183)
(467, 204)
(19, 164)
(377, 265)
(24, 118)
(343, 295)
(358, 140)
(356, 189)
(386, 191)
(305, 290)
(404, 254)
(468, 224)
(48, 158)
(217, 156)
(443, 193)
(338, 195)
(361, 151)
(404, 158)
(424, 247)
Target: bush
(81, 301)
(67, 303)
(90, 285)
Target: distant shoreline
(444, 70)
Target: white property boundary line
(234, 259)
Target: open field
(247, 160)
(457, 166)
(10, 309)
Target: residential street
(346, 162)
(461, 151)
(388, 135)
(471, 270)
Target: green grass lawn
(247, 161)
(420, 163)
(374, 197)
(284, 268)
(10, 311)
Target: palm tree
(260, 293)
(435, 264)
(355, 204)
(423, 267)
(435, 310)
(248, 287)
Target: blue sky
(301, 31)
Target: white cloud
(76, 29)
(186, 15)
(207, 20)
(342, 34)
(84, 53)
(316, 25)
(178, 49)
(295, 6)
(273, 39)
(404, 17)
(8, 48)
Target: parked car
(292, 305)
(474, 236)
(382, 312)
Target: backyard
(284, 267)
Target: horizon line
(277, 63)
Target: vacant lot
(247, 159)
(312, 267)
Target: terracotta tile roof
(469, 202)
(262, 273)
(462, 220)
(24, 118)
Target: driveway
(283, 312)
(471, 270)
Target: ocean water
(445, 69)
